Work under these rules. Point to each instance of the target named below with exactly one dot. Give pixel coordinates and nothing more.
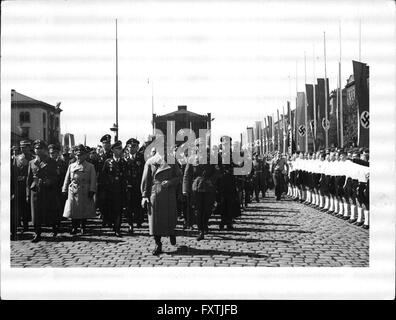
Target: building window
(44, 118)
(56, 122)
(25, 133)
(24, 116)
(44, 134)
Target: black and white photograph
(209, 149)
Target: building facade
(183, 119)
(33, 119)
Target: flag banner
(250, 136)
(300, 122)
(273, 132)
(266, 135)
(270, 133)
(309, 93)
(361, 77)
(320, 112)
(293, 134)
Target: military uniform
(258, 178)
(184, 200)
(20, 209)
(41, 188)
(278, 170)
(134, 171)
(227, 196)
(101, 196)
(199, 182)
(61, 169)
(113, 178)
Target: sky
(235, 59)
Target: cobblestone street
(268, 234)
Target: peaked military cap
(117, 144)
(133, 141)
(106, 138)
(24, 143)
(80, 149)
(39, 144)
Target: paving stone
(268, 234)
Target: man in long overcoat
(41, 187)
(19, 172)
(80, 186)
(158, 187)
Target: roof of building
(20, 98)
(181, 110)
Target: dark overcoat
(162, 213)
(114, 187)
(41, 186)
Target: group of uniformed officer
(52, 185)
(335, 181)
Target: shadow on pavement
(243, 222)
(251, 240)
(79, 238)
(185, 250)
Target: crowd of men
(49, 186)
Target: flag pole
(325, 85)
(314, 99)
(284, 130)
(360, 40)
(116, 131)
(306, 103)
(340, 97)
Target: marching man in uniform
(106, 154)
(20, 209)
(113, 179)
(134, 167)
(278, 168)
(158, 187)
(199, 182)
(41, 187)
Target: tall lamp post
(115, 125)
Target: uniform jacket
(80, 179)
(134, 171)
(162, 213)
(199, 177)
(41, 186)
(113, 179)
